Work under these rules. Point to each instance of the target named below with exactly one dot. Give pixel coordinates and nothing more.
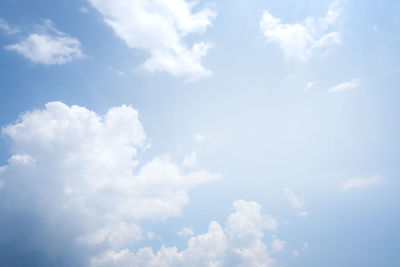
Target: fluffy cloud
(238, 244)
(74, 179)
(158, 27)
(48, 46)
(350, 85)
(295, 202)
(7, 28)
(359, 182)
(300, 41)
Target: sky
(203, 133)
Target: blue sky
(241, 133)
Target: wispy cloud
(190, 160)
(350, 85)
(359, 182)
(199, 137)
(295, 202)
(116, 71)
(185, 232)
(83, 10)
(300, 41)
(7, 28)
(309, 86)
(48, 46)
(277, 245)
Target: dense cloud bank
(72, 187)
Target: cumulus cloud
(359, 182)
(350, 85)
(7, 28)
(239, 243)
(48, 46)
(295, 202)
(158, 27)
(74, 180)
(300, 41)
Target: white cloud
(295, 253)
(48, 46)
(350, 85)
(190, 160)
(85, 177)
(21, 160)
(295, 202)
(301, 41)
(199, 137)
(185, 232)
(238, 244)
(277, 245)
(158, 27)
(359, 182)
(7, 28)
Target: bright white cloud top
(48, 46)
(239, 243)
(78, 167)
(350, 85)
(301, 41)
(158, 28)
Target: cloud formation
(238, 244)
(159, 27)
(48, 46)
(295, 202)
(7, 28)
(185, 232)
(350, 85)
(75, 173)
(359, 182)
(301, 41)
